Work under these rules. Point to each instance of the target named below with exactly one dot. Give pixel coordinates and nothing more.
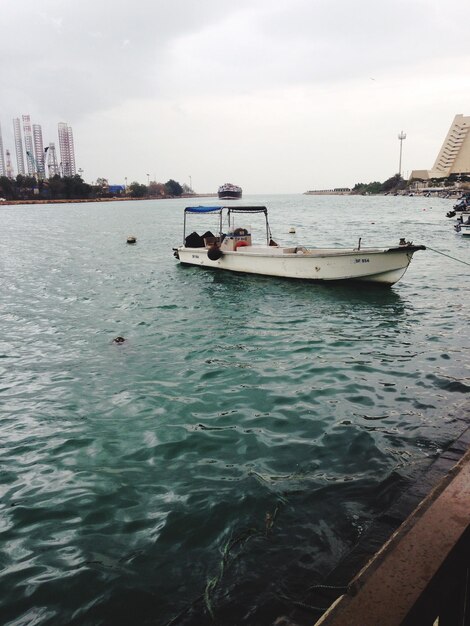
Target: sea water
(243, 437)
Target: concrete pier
(412, 568)
(405, 583)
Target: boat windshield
(203, 209)
(248, 209)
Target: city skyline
(32, 158)
(453, 157)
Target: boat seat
(194, 240)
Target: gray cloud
(173, 72)
(82, 56)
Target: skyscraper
(28, 144)
(67, 153)
(2, 156)
(39, 150)
(454, 156)
(18, 145)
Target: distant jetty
(338, 191)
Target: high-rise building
(39, 150)
(40, 161)
(454, 156)
(18, 146)
(67, 152)
(28, 144)
(2, 157)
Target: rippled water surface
(241, 440)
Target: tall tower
(28, 144)
(2, 157)
(67, 152)
(18, 145)
(401, 138)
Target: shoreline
(82, 200)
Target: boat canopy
(203, 209)
(248, 209)
(238, 209)
(230, 211)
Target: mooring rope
(447, 255)
(341, 589)
(302, 605)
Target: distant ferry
(229, 192)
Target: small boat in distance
(462, 225)
(463, 206)
(462, 229)
(229, 192)
(236, 251)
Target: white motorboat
(236, 251)
(463, 228)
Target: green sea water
(242, 439)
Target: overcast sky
(277, 96)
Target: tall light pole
(190, 183)
(148, 180)
(401, 138)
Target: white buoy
(292, 230)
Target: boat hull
(230, 195)
(228, 191)
(463, 229)
(378, 265)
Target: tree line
(397, 183)
(75, 188)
